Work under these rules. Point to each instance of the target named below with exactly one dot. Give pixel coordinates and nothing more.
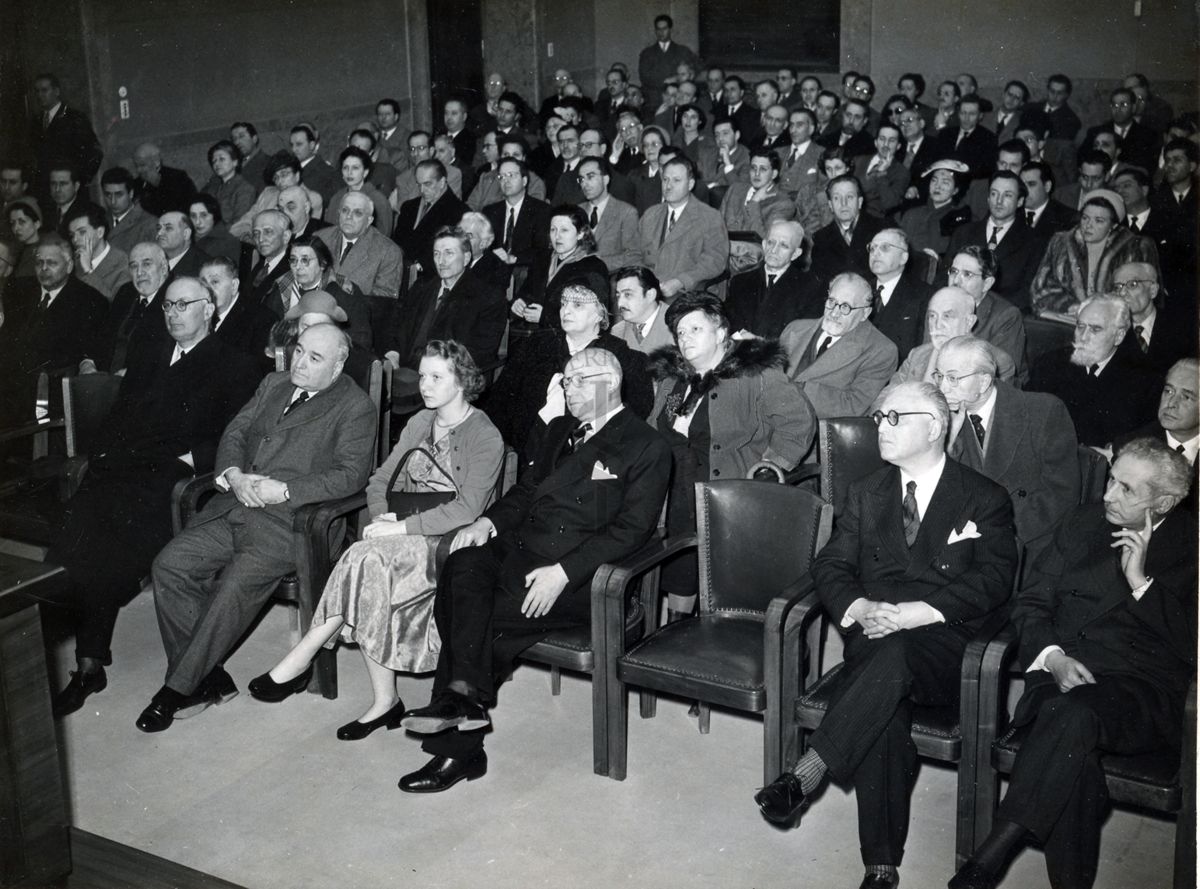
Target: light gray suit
(323, 450)
(805, 171)
(617, 240)
(374, 263)
(845, 380)
(695, 251)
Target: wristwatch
(287, 492)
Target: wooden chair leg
(617, 709)
(555, 680)
(705, 712)
(647, 704)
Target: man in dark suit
(764, 301)
(163, 427)
(454, 116)
(272, 233)
(293, 202)
(1175, 202)
(567, 139)
(900, 297)
(745, 115)
(1159, 331)
(133, 322)
(52, 322)
(1043, 216)
(421, 217)
(521, 223)
(841, 246)
(998, 321)
(1140, 145)
(1109, 644)
(922, 555)
(1024, 441)
(591, 494)
(1109, 391)
(774, 137)
(455, 304)
(969, 141)
(61, 134)
(1016, 250)
(315, 171)
(854, 137)
(306, 436)
(161, 188)
(175, 233)
(64, 186)
(241, 324)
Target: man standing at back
(922, 555)
(61, 134)
(306, 436)
(659, 60)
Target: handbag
(409, 503)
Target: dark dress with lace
(383, 588)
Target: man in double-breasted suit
(591, 494)
(164, 425)
(306, 436)
(841, 361)
(922, 554)
(1107, 631)
(1024, 441)
(683, 239)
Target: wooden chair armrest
(319, 516)
(618, 576)
(185, 497)
(33, 427)
(71, 477)
(802, 473)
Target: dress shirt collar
(927, 483)
(99, 257)
(984, 412)
(1190, 447)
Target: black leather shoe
(356, 731)
(81, 685)
(879, 881)
(973, 876)
(264, 688)
(442, 773)
(447, 711)
(163, 708)
(215, 688)
(782, 800)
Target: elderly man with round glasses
(840, 360)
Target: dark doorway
(455, 52)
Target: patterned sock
(810, 770)
(884, 870)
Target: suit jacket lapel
(1009, 422)
(601, 447)
(888, 517)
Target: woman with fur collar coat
(724, 406)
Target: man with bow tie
(591, 494)
(922, 554)
(307, 436)
(1107, 630)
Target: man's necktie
(509, 226)
(847, 235)
(594, 219)
(638, 334)
(878, 298)
(1142, 342)
(575, 439)
(1180, 449)
(958, 141)
(1029, 217)
(441, 297)
(771, 279)
(421, 211)
(345, 249)
(912, 520)
(992, 238)
(44, 303)
(1133, 226)
(260, 274)
(977, 425)
(300, 399)
(1094, 370)
(794, 156)
(825, 343)
(667, 226)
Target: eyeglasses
(580, 380)
(953, 379)
(841, 308)
(964, 273)
(179, 306)
(302, 260)
(893, 417)
(882, 247)
(1126, 285)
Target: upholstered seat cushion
(716, 657)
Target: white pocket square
(600, 473)
(969, 532)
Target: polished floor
(265, 796)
